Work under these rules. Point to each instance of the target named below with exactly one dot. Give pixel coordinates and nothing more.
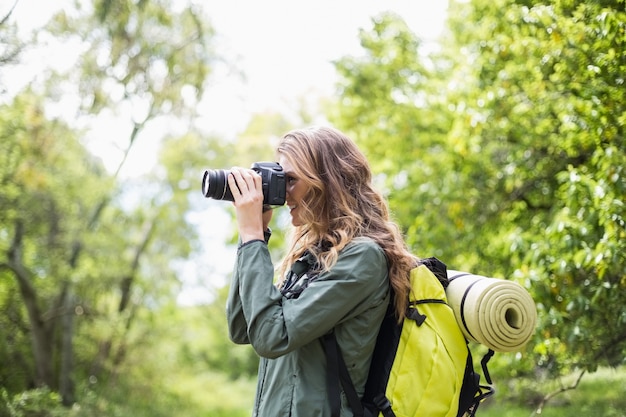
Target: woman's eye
(291, 180)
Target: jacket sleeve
(277, 325)
(259, 264)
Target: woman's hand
(247, 190)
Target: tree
(47, 181)
(519, 172)
(548, 136)
(68, 220)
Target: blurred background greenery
(502, 151)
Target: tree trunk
(41, 332)
(66, 384)
(42, 351)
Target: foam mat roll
(494, 312)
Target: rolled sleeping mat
(497, 313)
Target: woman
(344, 254)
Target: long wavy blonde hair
(340, 205)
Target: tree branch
(127, 282)
(9, 13)
(561, 390)
(22, 274)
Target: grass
(198, 395)
(214, 395)
(602, 393)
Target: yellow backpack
(422, 366)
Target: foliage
(145, 53)
(502, 154)
(548, 140)
(47, 181)
(519, 173)
(86, 255)
(184, 365)
(34, 403)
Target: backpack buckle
(384, 405)
(416, 316)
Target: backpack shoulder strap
(338, 372)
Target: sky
(284, 49)
(278, 52)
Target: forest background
(501, 152)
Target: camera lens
(215, 184)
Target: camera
(215, 183)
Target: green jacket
(351, 298)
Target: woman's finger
(246, 182)
(234, 188)
(238, 175)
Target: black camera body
(215, 183)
